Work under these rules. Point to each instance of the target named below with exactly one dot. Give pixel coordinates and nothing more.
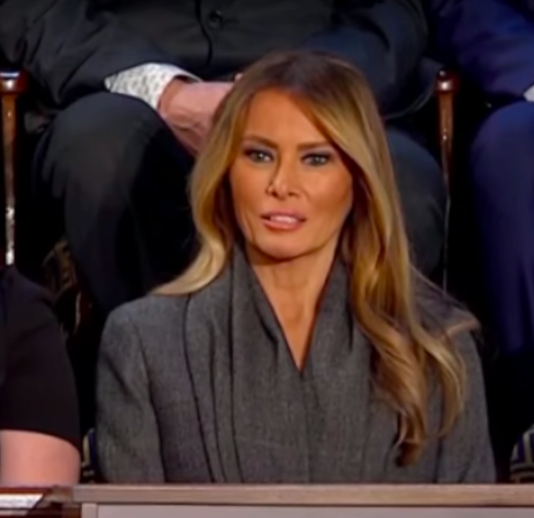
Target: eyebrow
(304, 146)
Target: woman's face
(291, 189)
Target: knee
(419, 177)
(423, 197)
(419, 180)
(502, 153)
(94, 139)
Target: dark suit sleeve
(68, 49)
(490, 41)
(385, 39)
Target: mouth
(283, 220)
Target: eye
(317, 159)
(258, 155)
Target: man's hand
(188, 108)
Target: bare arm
(39, 427)
(36, 459)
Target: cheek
(335, 199)
(246, 193)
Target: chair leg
(9, 122)
(446, 88)
(446, 133)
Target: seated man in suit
(134, 85)
(492, 43)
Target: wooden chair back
(12, 85)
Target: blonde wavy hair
(373, 243)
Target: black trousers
(117, 178)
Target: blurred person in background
(491, 43)
(39, 422)
(131, 87)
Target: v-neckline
(260, 421)
(286, 344)
(266, 310)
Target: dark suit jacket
(71, 46)
(492, 41)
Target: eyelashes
(318, 159)
(313, 159)
(258, 155)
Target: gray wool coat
(203, 388)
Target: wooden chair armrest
(12, 85)
(13, 82)
(447, 81)
(446, 87)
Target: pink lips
(283, 220)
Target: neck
(293, 287)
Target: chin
(281, 251)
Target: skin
(291, 193)
(35, 459)
(188, 108)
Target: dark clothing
(126, 214)
(113, 167)
(490, 40)
(70, 47)
(203, 388)
(37, 390)
(125, 208)
(502, 177)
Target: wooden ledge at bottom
(312, 495)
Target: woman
(300, 346)
(39, 436)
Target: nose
(284, 181)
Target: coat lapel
(337, 385)
(262, 421)
(208, 355)
(269, 414)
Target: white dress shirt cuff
(529, 94)
(146, 82)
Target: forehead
(276, 115)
